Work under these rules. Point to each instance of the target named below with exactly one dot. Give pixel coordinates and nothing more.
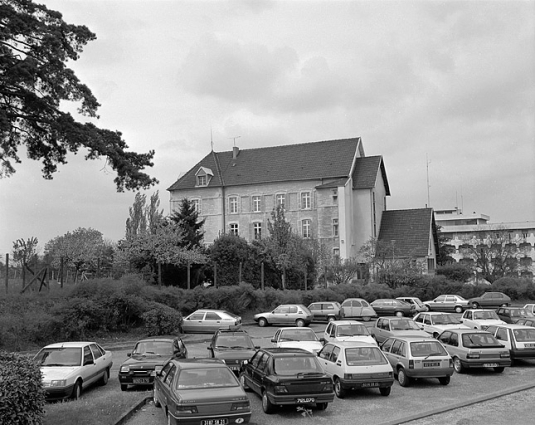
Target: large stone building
(330, 191)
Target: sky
(443, 90)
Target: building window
(256, 204)
(234, 229)
(196, 205)
(201, 180)
(281, 199)
(336, 252)
(335, 196)
(335, 227)
(257, 231)
(306, 228)
(233, 205)
(305, 200)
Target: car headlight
(58, 383)
(125, 369)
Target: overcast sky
(443, 86)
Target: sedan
(202, 321)
(413, 358)
(472, 348)
(513, 314)
(434, 323)
(288, 314)
(519, 339)
(447, 303)
(480, 319)
(356, 365)
(490, 299)
(392, 307)
(530, 307)
(200, 391)
(296, 337)
(387, 327)
(70, 367)
(233, 347)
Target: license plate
(370, 384)
(432, 364)
(490, 364)
(306, 400)
(215, 422)
(529, 345)
(141, 381)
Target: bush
(456, 272)
(162, 320)
(23, 397)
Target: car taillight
(505, 354)
(186, 409)
(411, 364)
(348, 376)
(280, 389)
(240, 406)
(472, 356)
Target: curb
(130, 412)
(459, 405)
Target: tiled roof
(316, 160)
(408, 230)
(366, 170)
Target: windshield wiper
(222, 346)
(473, 343)
(239, 346)
(432, 354)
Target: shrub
(23, 397)
(456, 272)
(162, 320)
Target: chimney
(235, 152)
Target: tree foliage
(35, 46)
(187, 218)
(24, 250)
(144, 218)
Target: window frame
(256, 203)
(306, 228)
(306, 200)
(233, 201)
(234, 229)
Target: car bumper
(233, 418)
(431, 373)
(486, 363)
(523, 354)
(55, 393)
(134, 380)
(293, 399)
(353, 384)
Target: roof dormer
(203, 176)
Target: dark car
(490, 300)
(233, 347)
(513, 314)
(527, 322)
(392, 307)
(287, 376)
(148, 357)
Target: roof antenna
(237, 137)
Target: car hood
(416, 333)
(360, 338)
(487, 322)
(208, 395)
(238, 354)
(58, 372)
(312, 346)
(149, 360)
(447, 327)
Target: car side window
(468, 315)
(356, 303)
(365, 304)
(450, 299)
(166, 368)
(328, 306)
(88, 357)
(263, 362)
(333, 331)
(440, 299)
(256, 358)
(335, 353)
(396, 347)
(196, 316)
(419, 318)
(444, 338)
(387, 345)
(169, 377)
(212, 316)
(427, 320)
(292, 309)
(325, 353)
(96, 352)
(454, 340)
(502, 334)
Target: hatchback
(480, 319)
(286, 314)
(326, 311)
(434, 322)
(393, 307)
(513, 314)
(530, 307)
(490, 299)
(356, 365)
(296, 337)
(387, 327)
(347, 330)
(526, 322)
(519, 339)
(357, 308)
(233, 347)
(413, 358)
(202, 321)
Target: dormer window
(201, 180)
(203, 176)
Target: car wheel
(243, 382)
(399, 314)
(77, 390)
(155, 399)
(322, 406)
(428, 308)
(475, 305)
(444, 380)
(331, 319)
(338, 390)
(457, 365)
(458, 309)
(267, 406)
(403, 379)
(300, 323)
(504, 305)
(385, 391)
(105, 377)
(124, 387)
(262, 322)
(499, 369)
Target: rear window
(364, 356)
(295, 365)
(206, 378)
(351, 330)
(480, 340)
(231, 314)
(427, 349)
(524, 335)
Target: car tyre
(399, 314)
(458, 309)
(385, 391)
(331, 319)
(504, 305)
(322, 406)
(338, 390)
(262, 322)
(444, 380)
(300, 323)
(77, 390)
(124, 387)
(267, 406)
(155, 399)
(403, 379)
(475, 305)
(105, 377)
(457, 365)
(243, 382)
(499, 369)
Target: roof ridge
(293, 145)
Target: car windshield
(71, 356)
(427, 349)
(206, 378)
(157, 348)
(485, 315)
(297, 365)
(351, 330)
(298, 335)
(521, 313)
(471, 340)
(233, 341)
(364, 356)
(403, 325)
(445, 319)
(524, 335)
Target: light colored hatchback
(357, 308)
(209, 321)
(296, 337)
(286, 314)
(413, 358)
(347, 330)
(480, 319)
(434, 322)
(356, 365)
(519, 339)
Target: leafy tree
(35, 46)
(24, 250)
(144, 218)
(343, 271)
(227, 252)
(187, 218)
(445, 250)
(455, 271)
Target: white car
(530, 307)
(434, 322)
(70, 367)
(347, 330)
(480, 319)
(297, 337)
(519, 339)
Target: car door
(381, 330)
(502, 335)
(386, 348)
(438, 303)
(89, 369)
(450, 341)
(419, 320)
(165, 389)
(332, 364)
(428, 324)
(276, 340)
(212, 322)
(279, 316)
(259, 372)
(328, 334)
(324, 357)
(449, 303)
(193, 322)
(250, 372)
(100, 357)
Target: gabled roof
(330, 159)
(408, 231)
(366, 170)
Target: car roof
(295, 328)
(466, 331)
(514, 308)
(228, 331)
(205, 310)
(434, 313)
(480, 309)
(69, 344)
(513, 326)
(351, 344)
(394, 318)
(414, 338)
(288, 352)
(346, 322)
(407, 298)
(195, 363)
(360, 299)
(159, 338)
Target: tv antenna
(428, 186)
(234, 138)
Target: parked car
(490, 299)
(326, 311)
(355, 365)
(512, 314)
(392, 307)
(447, 303)
(518, 339)
(418, 305)
(434, 322)
(287, 376)
(480, 319)
(148, 357)
(357, 308)
(233, 347)
(387, 327)
(526, 322)
(347, 330)
(473, 348)
(414, 358)
(200, 391)
(209, 321)
(68, 368)
(530, 307)
(296, 337)
(286, 314)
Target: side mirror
(273, 340)
(129, 355)
(257, 347)
(323, 341)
